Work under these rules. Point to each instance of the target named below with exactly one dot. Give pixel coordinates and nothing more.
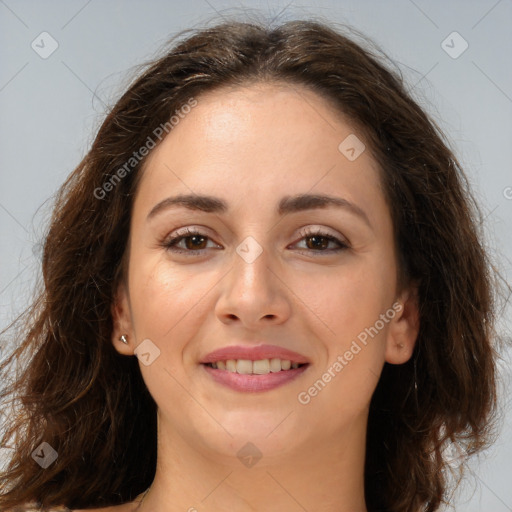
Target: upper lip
(254, 353)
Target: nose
(253, 294)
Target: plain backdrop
(53, 94)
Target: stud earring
(124, 339)
(400, 345)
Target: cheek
(163, 296)
(354, 344)
(166, 303)
(352, 298)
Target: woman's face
(264, 275)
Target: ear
(404, 327)
(122, 323)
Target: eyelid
(317, 229)
(309, 231)
(170, 242)
(179, 234)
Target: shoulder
(30, 507)
(125, 507)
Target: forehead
(282, 118)
(256, 142)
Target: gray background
(50, 109)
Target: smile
(247, 376)
(259, 367)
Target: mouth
(254, 368)
(248, 376)
(258, 367)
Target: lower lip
(254, 383)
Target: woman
(264, 289)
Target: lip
(254, 353)
(254, 383)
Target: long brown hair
(90, 404)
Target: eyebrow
(288, 204)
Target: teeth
(275, 365)
(259, 367)
(244, 366)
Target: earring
(124, 339)
(400, 345)
(416, 386)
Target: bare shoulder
(125, 507)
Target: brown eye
(318, 242)
(196, 242)
(192, 242)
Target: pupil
(316, 238)
(195, 237)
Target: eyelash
(170, 243)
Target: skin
(251, 146)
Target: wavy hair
(76, 393)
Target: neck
(327, 475)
